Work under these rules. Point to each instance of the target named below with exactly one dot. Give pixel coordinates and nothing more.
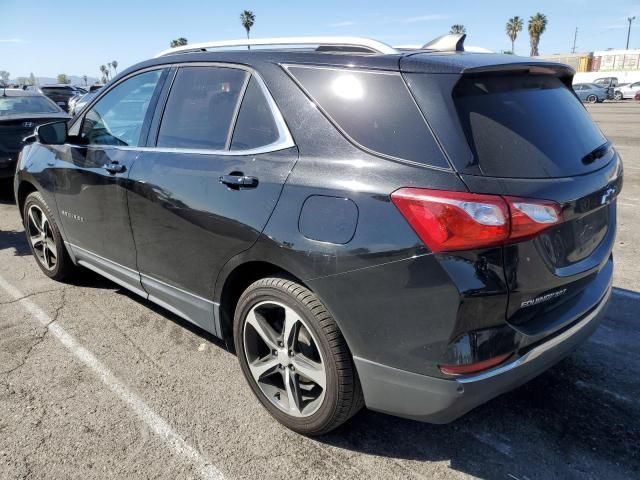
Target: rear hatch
(517, 129)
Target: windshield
(22, 105)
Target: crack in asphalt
(39, 338)
(34, 294)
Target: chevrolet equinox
(414, 231)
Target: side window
(255, 126)
(201, 108)
(374, 109)
(118, 117)
(578, 87)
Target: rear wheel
(44, 238)
(294, 357)
(592, 99)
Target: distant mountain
(75, 80)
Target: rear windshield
(528, 126)
(21, 105)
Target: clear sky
(75, 37)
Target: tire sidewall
(592, 99)
(37, 200)
(324, 415)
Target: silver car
(627, 91)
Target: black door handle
(236, 181)
(114, 167)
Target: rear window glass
(201, 107)
(526, 126)
(21, 105)
(255, 126)
(374, 109)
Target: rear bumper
(435, 400)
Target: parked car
(627, 91)
(20, 112)
(590, 92)
(61, 94)
(637, 97)
(416, 232)
(78, 102)
(610, 83)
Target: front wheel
(618, 96)
(592, 99)
(44, 238)
(294, 357)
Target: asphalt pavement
(97, 383)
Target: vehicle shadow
(580, 419)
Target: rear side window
(201, 108)
(374, 109)
(255, 126)
(528, 126)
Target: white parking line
(154, 421)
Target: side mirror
(54, 133)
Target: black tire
(343, 394)
(618, 96)
(592, 99)
(64, 267)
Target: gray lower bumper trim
(436, 400)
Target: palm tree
(178, 42)
(514, 25)
(247, 18)
(457, 29)
(114, 64)
(109, 68)
(537, 26)
(105, 73)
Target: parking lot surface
(97, 383)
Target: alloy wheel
(41, 238)
(284, 359)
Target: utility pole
(575, 37)
(630, 19)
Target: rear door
(91, 177)
(206, 185)
(525, 134)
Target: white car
(627, 91)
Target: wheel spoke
(292, 385)
(291, 327)
(266, 333)
(35, 222)
(262, 367)
(51, 246)
(310, 370)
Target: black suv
(61, 94)
(414, 231)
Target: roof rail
(452, 42)
(373, 46)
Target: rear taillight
(447, 221)
(473, 367)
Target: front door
(204, 192)
(92, 178)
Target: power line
(575, 37)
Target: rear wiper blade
(596, 154)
